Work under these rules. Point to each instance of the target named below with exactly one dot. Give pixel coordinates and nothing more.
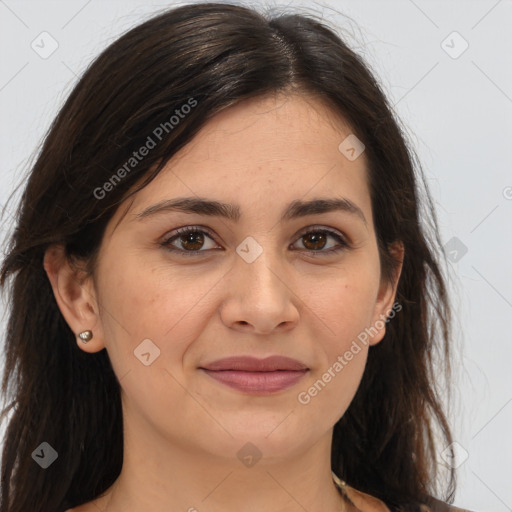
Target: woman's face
(258, 283)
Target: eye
(191, 240)
(316, 238)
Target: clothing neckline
(350, 494)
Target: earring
(85, 336)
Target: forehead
(273, 149)
(270, 128)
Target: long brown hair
(217, 55)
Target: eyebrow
(208, 207)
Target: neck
(160, 474)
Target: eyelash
(198, 229)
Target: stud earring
(85, 336)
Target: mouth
(257, 376)
(257, 382)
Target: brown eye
(316, 240)
(189, 241)
(192, 240)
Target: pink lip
(257, 382)
(253, 364)
(257, 376)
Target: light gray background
(458, 114)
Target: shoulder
(364, 502)
(435, 505)
(442, 508)
(367, 503)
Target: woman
(222, 297)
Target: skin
(182, 428)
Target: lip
(253, 364)
(257, 376)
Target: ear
(386, 295)
(75, 295)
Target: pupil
(193, 238)
(318, 240)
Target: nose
(259, 297)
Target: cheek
(332, 385)
(140, 302)
(346, 308)
(343, 304)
